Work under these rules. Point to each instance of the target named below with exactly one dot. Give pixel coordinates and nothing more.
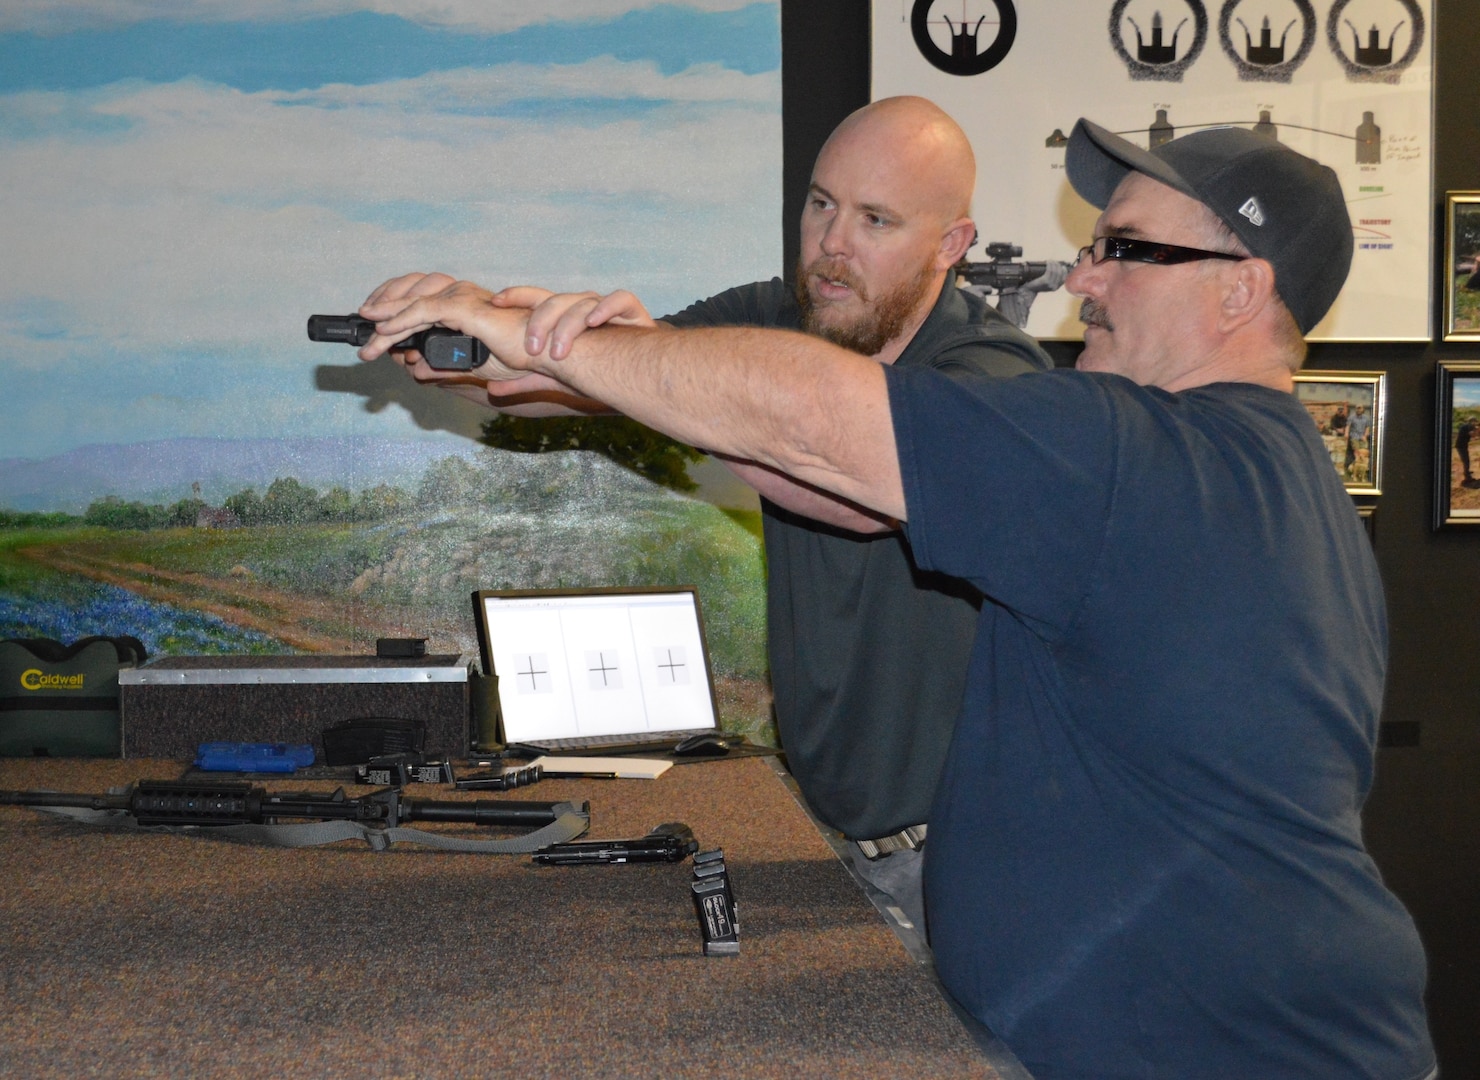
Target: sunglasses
(1146, 251)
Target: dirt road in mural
(297, 620)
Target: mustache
(1093, 313)
(832, 270)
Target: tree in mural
(657, 457)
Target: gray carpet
(131, 954)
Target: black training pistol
(444, 350)
(669, 842)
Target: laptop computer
(613, 670)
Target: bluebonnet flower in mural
(110, 611)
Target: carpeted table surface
(128, 954)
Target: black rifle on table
(256, 813)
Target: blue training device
(253, 757)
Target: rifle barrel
(481, 812)
(62, 798)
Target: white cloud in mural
(55, 15)
(205, 187)
(165, 242)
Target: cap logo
(1253, 211)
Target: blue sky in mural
(180, 192)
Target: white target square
(603, 669)
(672, 664)
(532, 673)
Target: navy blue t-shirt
(1145, 857)
(868, 654)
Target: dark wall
(824, 77)
(1423, 820)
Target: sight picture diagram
(600, 663)
(1348, 83)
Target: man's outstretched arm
(807, 500)
(786, 400)
(556, 320)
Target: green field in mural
(221, 585)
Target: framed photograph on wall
(1462, 266)
(1349, 410)
(1457, 443)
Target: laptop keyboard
(652, 740)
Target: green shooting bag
(62, 700)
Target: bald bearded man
(868, 653)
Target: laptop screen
(596, 662)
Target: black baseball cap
(1286, 208)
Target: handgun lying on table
(670, 842)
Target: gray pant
(898, 876)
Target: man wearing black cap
(1145, 856)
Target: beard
(878, 325)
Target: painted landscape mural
(178, 461)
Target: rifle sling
(569, 823)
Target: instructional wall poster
(1347, 82)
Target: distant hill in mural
(165, 471)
